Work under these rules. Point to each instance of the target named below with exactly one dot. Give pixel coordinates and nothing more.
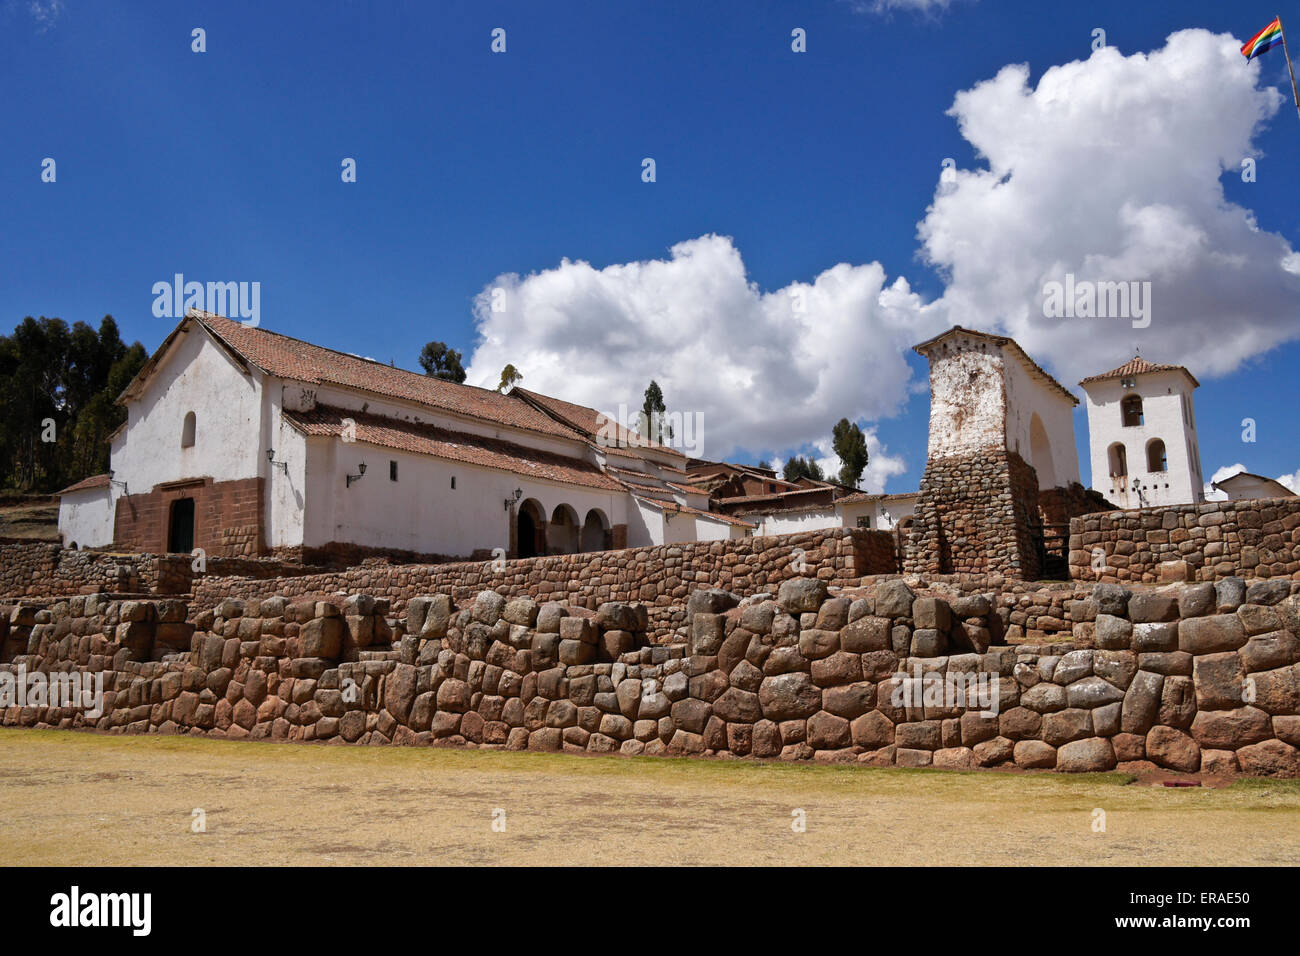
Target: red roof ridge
(284, 356)
(426, 438)
(86, 484)
(1137, 365)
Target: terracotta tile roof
(1136, 366)
(671, 507)
(775, 496)
(875, 496)
(87, 484)
(291, 358)
(686, 489)
(1034, 368)
(589, 421)
(426, 439)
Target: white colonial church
(240, 441)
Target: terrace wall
(1258, 538)
(1195, 677)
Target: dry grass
(32, 519)
(80, 798)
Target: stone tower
(1001, 438)
(1142, 435)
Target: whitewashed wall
(421, 511)
(967, 404)
(1163, 411)
(789, 522)
(1027, 397)
(1247, 487)
(196, 376)
(86, 517)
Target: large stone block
(1092, 755)
(894, 599)
(787, 696)
(1212, 634)
(1034, 755)
(1231, 729)
(1219, 680)
(1141, 702)
(1174, 749)
(1269, 758)
(322, 637)
(801, 595)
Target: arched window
(1156, 458)
(1040, 448)
(595, 531)
(563, 531)
(1131, 410)
(1118, 460)
(187, 431)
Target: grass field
(81, 798)
(30, 517)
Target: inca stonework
(1258, 537)
(1174, 643)
(974, 517)
(1190, 677)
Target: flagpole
(1290, 69)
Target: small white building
(86, 513)
(242, 441)
(1142, 435)
(1244, 485)
(881, 512)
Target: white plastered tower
(1142, 435)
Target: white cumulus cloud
(767, 371)
(1110, 169)
(888, 6)
(1214, 494)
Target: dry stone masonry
(974, 515)
(661, 577)
(1201, 676)
(1206, 542)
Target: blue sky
(225, 165)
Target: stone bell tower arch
(996, 419)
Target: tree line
(58, 388)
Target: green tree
(509, 375)
(440, 361)
(60, 383)
(800, 467)
(851, 446)
(651, 423)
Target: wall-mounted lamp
(519, 493)
(361, 468)
(112, 481)
(270, 457)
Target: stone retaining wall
(1195, 677)
(49, 570)
(1218, 539)
(973, 516)
(660, 577)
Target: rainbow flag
(1265, 39)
